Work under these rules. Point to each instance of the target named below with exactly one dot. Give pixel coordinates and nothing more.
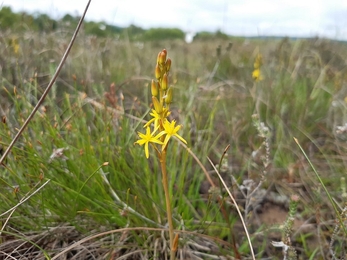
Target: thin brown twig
(51, 83)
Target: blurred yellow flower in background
(256, 74)
(15, 45)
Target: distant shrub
(156, 34)
(97, 29)
(7, 18)
(44, 23)
(69, 20)
(133, 29)
(112, 29)
(210, 36)
(133, 32)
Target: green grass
(301, 96)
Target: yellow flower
(15, 46)
(147, 138)
(156, 118)
(256, 75)
(171, 130)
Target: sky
(294, 18)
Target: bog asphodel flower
(162, 96)
(147, 138)
(170, 129)
(256, 74)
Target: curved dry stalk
(121, 230)
(236, 206)
(45, 93)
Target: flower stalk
(159, 130)
(165, 183)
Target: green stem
(168, 203)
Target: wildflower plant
(160, 130)
(256, 74)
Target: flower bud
(154, 89)
(168, 64)
(162, 57)
(164, 82)
(158, 57)
(168, 99)
(157, 72)
(157, 106)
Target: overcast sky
(300, 18)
